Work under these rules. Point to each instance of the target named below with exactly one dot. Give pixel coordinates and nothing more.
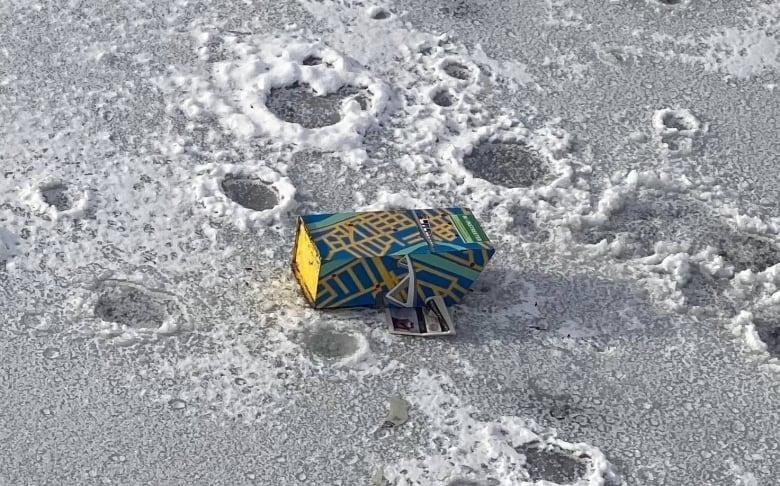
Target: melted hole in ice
(461, 9)
(747, 251)
(506, 164)
(675, 121)
(457, 70)
(56, 195)
(380, 14)
(669, 2)
(177, 404)
(250, 193)
(130, 306)
(312, 61)
(443, 98)
(297, 103)
(553, 465)
(465, 482)
(769, 332)
(331, 343)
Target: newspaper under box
(398, 258)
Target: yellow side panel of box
(306, 262)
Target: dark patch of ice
(331, 343)
(250, 193)
(747, 251)
(56, 195)
(462, 9)
(443, 98)
(552, 465)
(380, 14)
(130, 306)
(457, 70)
(299, 104)
(674, 121)
(507, 164)
(769, 333)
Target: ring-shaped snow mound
(239, 91)
(56, 199)
(229, 190)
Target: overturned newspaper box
(420, 259)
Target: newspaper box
(420, 259)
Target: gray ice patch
(298, 103)
(250, 193)
(506, 164)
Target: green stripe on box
(468, 228)
(331, 266)
(447, 265)
(410, 249)
(462, 232)
(330, 220)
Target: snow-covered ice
(623, 157)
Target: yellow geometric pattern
(383, 233)
(370, 234)
(441, 225)
(332, 292)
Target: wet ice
(443, 98)
(299, 104)
(746, 251)
(506, 164)
(330, 343)
(457, 70)
(769, 332)
(380, 14)
(56, 195)
(462, 9)
(552, 465)
(129, 306)
(250, 193)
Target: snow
(467, 447)
(621, 156)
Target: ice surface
(129, 306)
(552, 465)
(250, 193)
(508, 164)
(622, 156)
(769, 333)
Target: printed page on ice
(432, 320)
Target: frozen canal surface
(623, 157)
